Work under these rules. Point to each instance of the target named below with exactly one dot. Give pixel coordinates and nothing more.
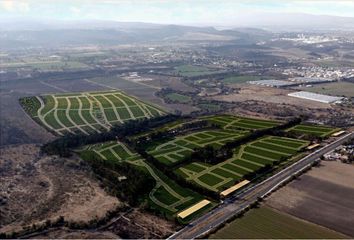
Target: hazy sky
(168, 11)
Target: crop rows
(232, 122)
(176, 150)
(320, 131)
(91, 112)
(248, 159)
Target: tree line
(134, 185)
(62, 146)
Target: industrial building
(316, 97)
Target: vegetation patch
(249, 160)
(193, 71)
(313, 130)
(179, 98)
(233, 122)
(181, 147)
(266, 223)
(165, 197)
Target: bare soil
(168, 82)
(139, 224)
(15, 125)
(324, 195)
(76, 234)
(268, 94)
(34, 188)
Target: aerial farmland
(87, 112)
(180, 168)
(176, 119)
(190, 161)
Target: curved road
(231, 206)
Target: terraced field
(166, 195)
(177, 149)
(320, 131)
(248, 159)
(90, 112)
(233, 122)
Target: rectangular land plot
(62, 103)
(274, 147)
(74, 103)
(245, 164)
(235, 123)
(210, 179)
(74, 115)
(320, 131)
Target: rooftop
(315, 97)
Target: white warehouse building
(316, 97)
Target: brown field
(324, 196)
(75, 234)
(15, 125)
(142, 225)
(167, 82)
(34, 188)
(268, 94)
(133, 225)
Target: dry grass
(34, 188)
(268, 94)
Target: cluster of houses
(343, 153)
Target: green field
(266, 223)
(167, 196)
(233, 122)
(336, 88)
(248, 159)
(193, 71)
(176, 150)
(316, 130)
(241, 79)
(176, 97)
(87, 112)
(209, 107)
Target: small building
(336, 134)
(313, 146)
(196, 207)
(232, 189)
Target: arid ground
(35, 188)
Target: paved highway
(238, 202)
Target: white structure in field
(316, 97)
(273, 83)
(311, 80)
